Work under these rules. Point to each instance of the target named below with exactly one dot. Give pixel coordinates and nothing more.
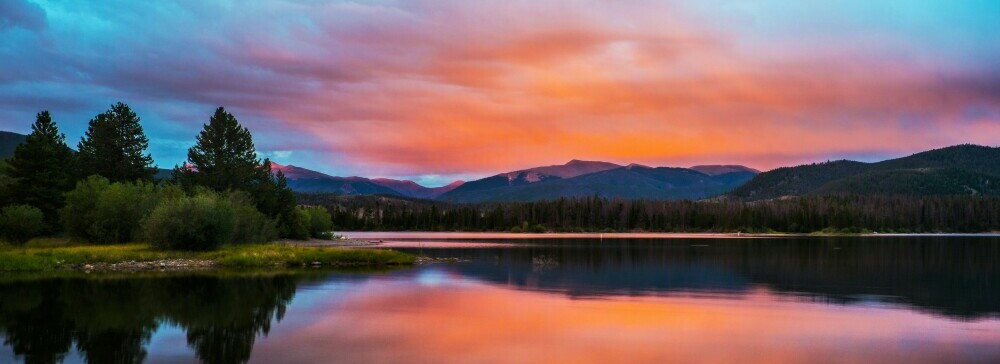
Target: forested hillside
(631, 182)
(957, 170)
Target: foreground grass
(279, 254)
(54, 254)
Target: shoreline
(371, 238)
(356, 250)
(143, 257)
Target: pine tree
(42, 167)
(115, 146)
(284, 207)
(223, 158)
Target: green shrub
(20, 223)
(320, 222)
(76, 216)
(296, 224)
(120, 210)
(249, 224)
(201, 222)
(110, 213)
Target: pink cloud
(460, 87)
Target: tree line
(830, 213)
(104, 192)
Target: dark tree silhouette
(223, 158)
(41, 167)
(115, 147)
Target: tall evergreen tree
(42, 167)
(223, 158)
(115, 147)
(285, 206)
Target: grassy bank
(53, 255)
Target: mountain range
(309, 181)
(589, 178)
(574, 179)
(956, 170)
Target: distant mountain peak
(410, 188)
(571, 169)
(397, 182)
(717, 169)
(306, 180)
(637, 166)
(294, 172)
(575, 162)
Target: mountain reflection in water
(906, 299)
(953, 276)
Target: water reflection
(111, 320)
(953, 276)
(572, 300)
(458, 320)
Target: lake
(535, 299)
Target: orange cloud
(475, 87)
(451, 90)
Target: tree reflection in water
(111, 320)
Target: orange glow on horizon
(540, 88)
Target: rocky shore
(156, 265)
(351, 243)
(430, 260)
(165, 265)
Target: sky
(437, 90)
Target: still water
(573, 300)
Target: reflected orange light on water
(468, 321)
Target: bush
(249, 224)
(119, 213)
(20, 223)
(201, 222)
(320, 222)
(110, 213)
(296, 224)
(76, 216)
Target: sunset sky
(436, 90)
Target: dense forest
(830, 213)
